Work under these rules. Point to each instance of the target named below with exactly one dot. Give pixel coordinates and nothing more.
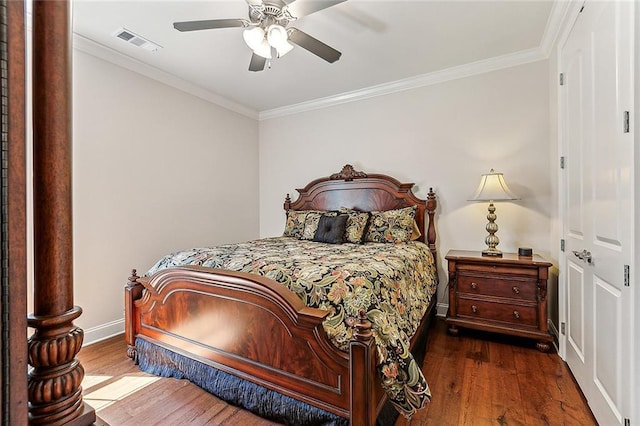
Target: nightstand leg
(453, 330)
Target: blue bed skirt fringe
(261, 401)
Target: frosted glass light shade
(253, 37)
(277, 38)
(493, 188)
(264, 50)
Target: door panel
(575, 319)
(596, 60)
(607, 372)
(574, 123)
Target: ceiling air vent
(138, 41)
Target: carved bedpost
(55, 376)
(362, 366)
(287, 203)
(431, 227)
(132, 292)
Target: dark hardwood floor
(475, 379)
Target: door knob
(583, 255)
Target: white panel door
(597, 90)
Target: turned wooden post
(132, 292)
(55, 376)
(362, 359)
(432, 203)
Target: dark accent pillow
(331, 229)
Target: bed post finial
(133, 278)
(287, 202)
(362, 327)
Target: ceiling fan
(267, 32)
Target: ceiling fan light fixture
(284, 49)
(263, 49)
(277, 37)
(254, 37)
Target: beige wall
(153, 167)
(155, 170)
(445, 136)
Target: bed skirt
(261, 401)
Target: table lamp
(492, 188)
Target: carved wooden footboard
(238, 311)
(256, 329)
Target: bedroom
(445, 134)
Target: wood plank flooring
(475, 379)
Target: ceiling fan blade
(257, 63)
(313, 45)
(301, 8)
(210, 24)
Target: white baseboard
(103, 331)
(441, 309)
(555, 333)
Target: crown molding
(555, 24)
(454, 73)
(101, 51)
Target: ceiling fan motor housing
(268, 13)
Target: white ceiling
(382, 42)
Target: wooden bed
(270, 337)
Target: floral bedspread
(393, 283)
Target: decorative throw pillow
(415, 233)
(331, 229)
(311, 223)
(295, 223)
(356, 225)
(391, 226)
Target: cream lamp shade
(492, 188)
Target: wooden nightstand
(505, 294)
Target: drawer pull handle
(515, 289)
(474, 286)
(474, 309)
(516, 314)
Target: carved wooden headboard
(367, 192)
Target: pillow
(295, 223)
(356, 225)
(311, 223)
(391, 226)
(331, 229)
(415, 233)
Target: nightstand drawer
(499, 286)
(481, 309)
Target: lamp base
(493, 252)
